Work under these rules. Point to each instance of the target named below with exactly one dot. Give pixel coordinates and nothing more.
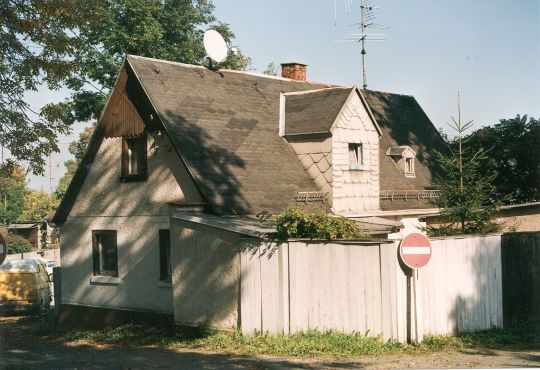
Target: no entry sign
(3, 249)
(415, 250)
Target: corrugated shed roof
(314, 111)
(225, 125)
(403, 122)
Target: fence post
(57, 284)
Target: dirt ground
(25, 344)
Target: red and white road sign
(415, 250)
(3, 249)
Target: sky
(488, 50)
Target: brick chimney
(294, 71)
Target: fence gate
(521, 278)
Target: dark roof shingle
(403, 122)
(314, 111)
(224, 124)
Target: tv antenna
(367, 17)
(215, 46)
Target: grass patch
(517, 338)
(303, 344)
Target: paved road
(24, 343)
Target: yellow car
(24, 285)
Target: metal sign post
(415, 252)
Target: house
(37, 233)
(183, 158)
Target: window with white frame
(356, 156)
(409, 166)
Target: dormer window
(356, 156)
(134, 159)
(404, 158)
(409, 166)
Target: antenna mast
(363, 11)
(367, 17)
(366, 22)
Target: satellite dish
(215, 46)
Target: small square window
(134, 159)
(105, 252)
(356, 156)
(409, 166)
(165, 271)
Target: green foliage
(303, 344)
(35, 44)
(16, 243)
(12, 177)
(311, 343)
(77, 149)
(167, 29)
(514, 156)
(271, 69)
(80, 45)
(296, 222)
(466, 198)
(37, 205)
(526, 337)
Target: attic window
(409, 166)
(404, 158)
(134, 159)
(356, 156)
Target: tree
(466, 196)
(12, 177)
(34, 50)
(513, 155)
(37, 205)
(77, 149)
(80, 45)
(16, 243)
(271, 69)
(163, 29)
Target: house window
(165, 271)
(134, 159)
(356, 156)
(105, 252)
(409, 166)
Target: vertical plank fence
(360, 287)
(521, 278)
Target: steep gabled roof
(404, 123)
(313, 112)
(224, 125)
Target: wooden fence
(521, 278)
(361, 287)
(462, 285)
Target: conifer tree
(466, 197)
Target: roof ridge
(305, 92)
(261, 75)
(385, 92)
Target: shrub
(296, 222)
(16, 243)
